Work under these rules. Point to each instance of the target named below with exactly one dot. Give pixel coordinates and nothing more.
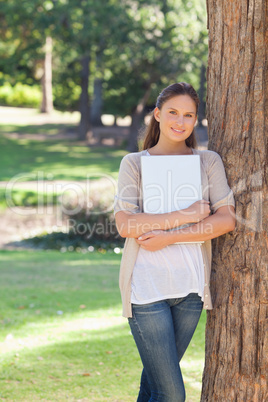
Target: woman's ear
(157, 114)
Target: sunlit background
(78, 79)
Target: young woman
(164, 285)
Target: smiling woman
(164, 285)
(180, 101)
(176, 121)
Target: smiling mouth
(178, 131)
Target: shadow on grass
(100, 365)
(79, 354)
(49, 129)
(56, 160)
(90, 364)
(37, 287)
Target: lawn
(48, 161)
(48, 129)
(62, 335)
(31, 160)
(51, 159)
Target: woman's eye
(189, 115)
(172, 112)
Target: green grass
(49, 128)
(27, 160)
(60, 313)
(60, 318)
(26, 198)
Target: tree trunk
(237, 110)
(96, 106)
(202, 106)
(137, 118)
(46, 81)
(84, 125)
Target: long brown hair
(152, 131)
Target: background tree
(25, 30)
(112, 57)
(47, 98)
(237, 333)
(160, 50)
(90, 27)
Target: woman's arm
(135, 224)
(223, 221)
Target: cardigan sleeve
(220, 193)
(128, 193)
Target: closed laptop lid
(170, 182)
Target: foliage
(131, 45)
(24, 27)
(20, 95)
(84, 231)
(62, 335)
(26, 198)
(160, 49)
(73, 241)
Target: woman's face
(176, 118)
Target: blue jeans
(162, 331)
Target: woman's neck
(170, 149)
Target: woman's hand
(198, 211)
(130, 224)
(154, 240)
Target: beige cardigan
(129, 198)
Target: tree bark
(237, 111)
(96, 106)
(46, 81)
(137, 118)
(84, 125)
(202, 106)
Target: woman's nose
(180, 120)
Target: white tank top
(172, 272)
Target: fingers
(149, 235)
(144, 237)
(142, 243)
(142, 240)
